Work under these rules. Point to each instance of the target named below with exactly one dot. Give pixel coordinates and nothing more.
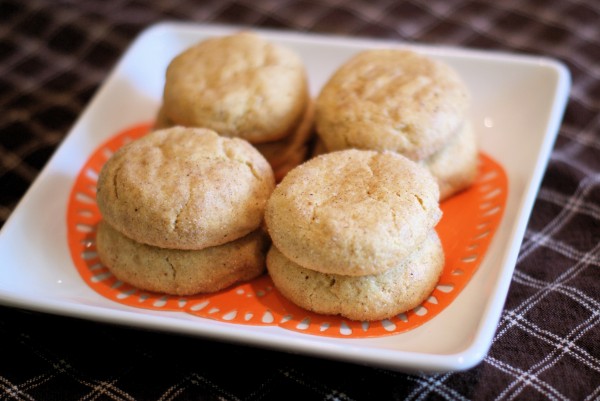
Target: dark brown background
(55, 54)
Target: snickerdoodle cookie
(181, 272)
(391, 99)
(185, 188)
(369, 297)
(239, 85)
(353, 212)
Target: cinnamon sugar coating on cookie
(185, 188)
(391, 99)
(353, 212)
(239, 85)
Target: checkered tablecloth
(55, 54)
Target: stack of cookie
(243, 86)
(401, 101)
(353, 234)
(182, 211)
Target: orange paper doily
(467, 227)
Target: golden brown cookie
(391, 99)
(353, 212)
(180, 272)
(371, 297)
(239, 85)
(455, 165)
(185, 188)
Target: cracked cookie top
(239, 85)
(391, 99)
(185, 188)
(353, 212)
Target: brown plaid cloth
(55, 54)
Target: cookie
(353, 212)
(238, 85)
(455, 166)
(181, 272)
(364, 298)
(185, 188)
(391, 99)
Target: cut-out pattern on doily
(466, 230)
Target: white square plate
(518, 104)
